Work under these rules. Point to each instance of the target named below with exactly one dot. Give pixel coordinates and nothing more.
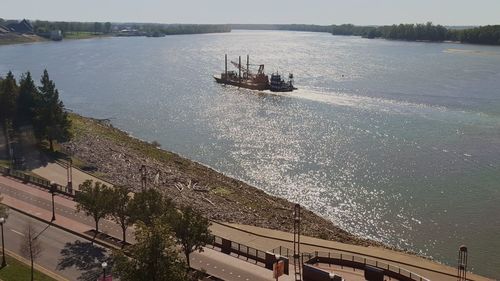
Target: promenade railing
(352, 261)
(38, 181)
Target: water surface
(395, 141)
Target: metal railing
(38, 181)
(351, 261)
(241, 251)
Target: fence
(38, 181)
(360, 262)
(259, 257)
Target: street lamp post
(2, 221)
(104, 265)
(53, 189)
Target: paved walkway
(58, 174)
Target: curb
(36, 266)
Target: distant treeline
(172, 29)
(489, 34)
(147, 28)
(65, 26)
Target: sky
(360, 12)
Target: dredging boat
(244, 78)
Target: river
(394, 141)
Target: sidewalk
(58, 174)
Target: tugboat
(259, 81)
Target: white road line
(17, 232)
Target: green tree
(97, 27)
(152, 258)
(150, 204)
(8, 98)
(107, 27)
(191, 231)
(94, 199)
(120, 208)
(52, 120)
(27, 100)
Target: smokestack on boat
(225, 69)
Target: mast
(239, 68)
(248, 66)
(225, 68)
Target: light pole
(2, 221)
(53, 189)
(104, 265)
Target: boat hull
(242, 84)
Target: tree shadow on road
(85, 257)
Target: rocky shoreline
(117, 157)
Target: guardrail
(229, 247)
(259, 257)
(352, 261)
(360, 262)
(38, 181)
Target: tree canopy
(153, 257)
(26, 104)
(53, 122)
(8, 98)
(94, 199)
(120, 210)
(191, 231)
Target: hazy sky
(446, 12)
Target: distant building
(22, 27)
(56, 35)
(4, 29)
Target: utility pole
(69, 173)
(296, 243)
(4, 263)
(462, 263)
(144, 177)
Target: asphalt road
(60, 249)
(105, 226)
(81, 258)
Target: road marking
(17, 232)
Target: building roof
(23, 26)
(3, 29)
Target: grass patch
(221, 191)
(18, 271)
(5, 163)
(83, 35)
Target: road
(38, 202)
(60, 248)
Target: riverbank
(12, 38)
(115, 156)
